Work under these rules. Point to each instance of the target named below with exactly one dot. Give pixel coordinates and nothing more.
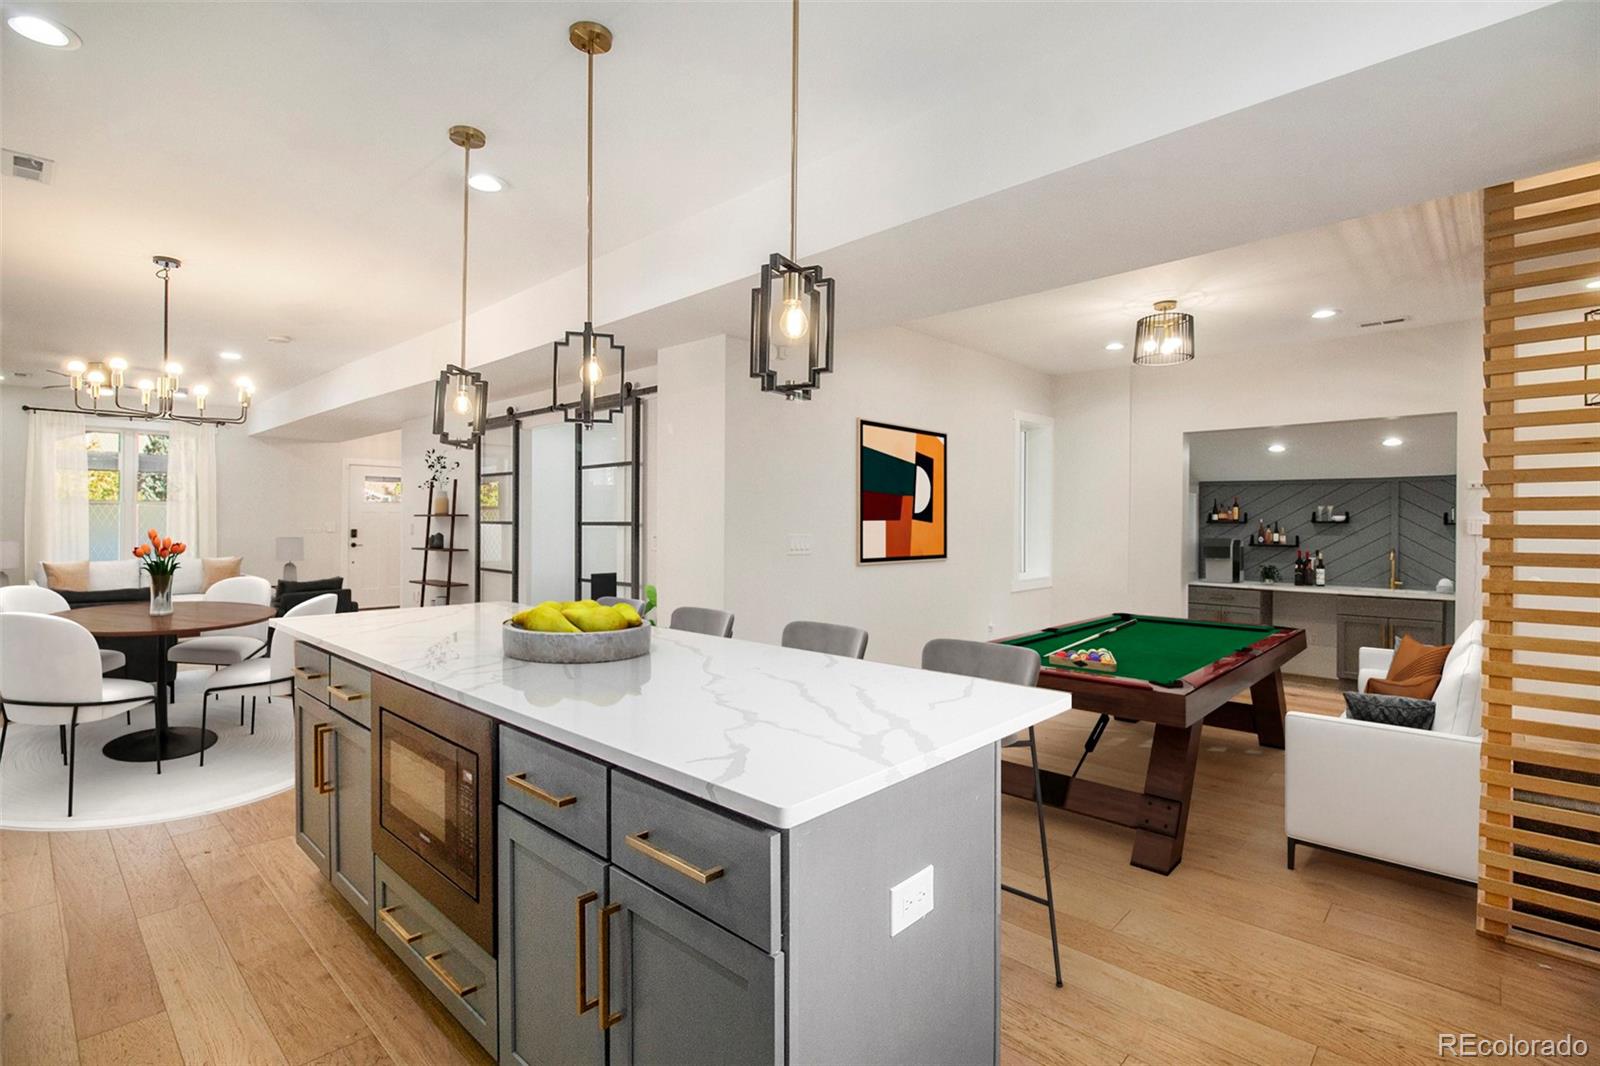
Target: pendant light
(800, 319)
(461, 397)
(106, 380)
(1164, 338)
(592, 39)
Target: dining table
(188, 619)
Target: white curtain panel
(192, 487)
(56, 492)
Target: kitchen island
(722, 851)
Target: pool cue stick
(1096, 636)
(1094, 738)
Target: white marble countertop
(779, 735)
(1335, 590)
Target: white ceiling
(294, 154)
(1422, 262)
(1326, 450)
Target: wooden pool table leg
(1267, 707)
(1168, 785)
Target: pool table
(1178, 675)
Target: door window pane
(379, 489)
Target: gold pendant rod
(588, 300)
(466, 209)
(794, 133)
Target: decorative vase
(441, 502)
(160, 594)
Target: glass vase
(160, 594)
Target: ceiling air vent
(1386, 321)
(28, 167)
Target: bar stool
(707, 620)
(1016, 666)
(826, 637)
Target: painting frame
(939, 492)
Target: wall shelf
(1241, 520)
(1254, 543)
(1335, 520)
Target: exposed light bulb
(146, 385)
(172, 370)
(793, 322)
(463, 402)
(76, 366)
(95, 376)
(202, 391)
(245, 385)
(1170, 345)
(592, 371)
(116, 362)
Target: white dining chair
(36, 599)
(225, 647)
(49, 675)
(270, 675)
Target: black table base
(140, 746)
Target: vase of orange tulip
(160, 560)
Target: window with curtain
(126, 488)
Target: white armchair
(1402, 796)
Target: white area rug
(239, 768)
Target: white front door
(373, 534)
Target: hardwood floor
(213, 940)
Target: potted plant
(159, 559)
(1270, 574)
(439, 467)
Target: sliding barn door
(1540, 880)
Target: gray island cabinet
(720, 852)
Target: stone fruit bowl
(607, 647)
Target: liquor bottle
(1261, 531)
(1321, 570)
(1216, 512)
(1236, 511)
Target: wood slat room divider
(1540, 810)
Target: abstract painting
(903, 505)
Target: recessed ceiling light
(1392, 442)
(43, 31)
(1276, 448)
(1595, 284)
(232, 357)
(1324, 312)
(280, 338)
(1114, 346)
(486, 183)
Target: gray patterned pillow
(1389, 710)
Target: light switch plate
(799, 544)
(910, 900)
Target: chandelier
(1164, 338)
(461, 397)
(802, 321)
(93, 382)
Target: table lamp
(290, 551)
(10, 559)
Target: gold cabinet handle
(607, 1019)
(344, 695)
(460, 991)
(640, 842)
(386, 915)
(319, 758)
(303, 674)
(520, 781)
(585, 1004)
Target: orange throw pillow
(67, 577)
(1414, 671)
(214, 570)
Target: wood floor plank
(212, 857)
(364, 1052)
(108, 972)
(179, 826)
(35, 1024)
(146, 1042)
(257, 823)
(214, 1016)
(152, 869)
(25, 876)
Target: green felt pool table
(1178, 675)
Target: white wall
(792, 471)
(1123, 466)
(691, 473)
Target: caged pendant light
(799, 322)
(591, 39)
(461, 397)
(1164, 338)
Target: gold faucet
(1394, 581)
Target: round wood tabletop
(187, 619)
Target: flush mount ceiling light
(1595, 284)
(592, 39)
(47, 32)
(1324, 312)
(1392, 442)
(1277, 449)
(104, 380)
(1115, 346)
(486, 183)
(461, 397)
(229, 357)
(797, 322)
(1164, 338)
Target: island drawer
(311, 671)
(459, 973)
(350, 691)
(557, 788)
(722, 866)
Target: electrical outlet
(1475, 524)
(910, 900)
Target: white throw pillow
(1451, 716)
(114, 574)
